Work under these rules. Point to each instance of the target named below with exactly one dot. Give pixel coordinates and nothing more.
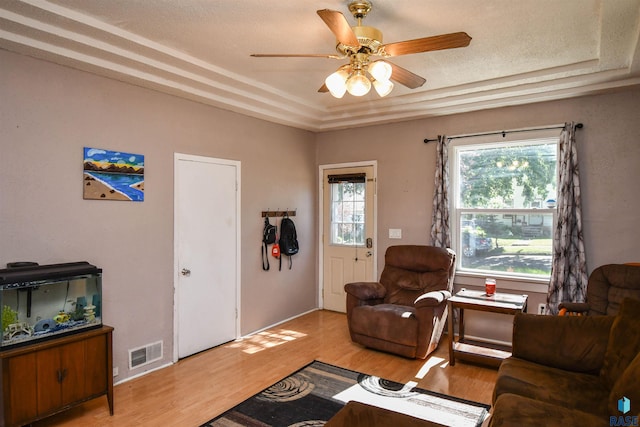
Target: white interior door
(207, 229)
(348, 240)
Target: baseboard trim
(276, 324)
(487, 340)
(141, 374)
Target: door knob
(369, 253)
(186, 272)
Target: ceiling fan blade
(340, 27)
(295, 55)
(405, 77)
(426, 44)
(323, 89)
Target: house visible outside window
(503, 206)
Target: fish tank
(40, 302)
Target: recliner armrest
(366, 290)
(578, 307)
(572, 343)
(432, 299)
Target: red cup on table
(490, 286)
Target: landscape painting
(113, 175)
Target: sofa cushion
(572, 390)
(511, 410)
(419, 258)
(411, 270)
(560, 341)
(396, 323)
(404, 286)
(624, 342)
(627, 386)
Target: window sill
(520, 285)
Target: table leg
(452, 360)
(461, 324)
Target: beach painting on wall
(113, 175)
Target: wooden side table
(475, 351)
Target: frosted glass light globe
(358, 85)
(383, 88)
(336, 83)
(380, 70)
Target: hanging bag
(288, 240)
(268, 238)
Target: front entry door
(348, 231)
(207, 229)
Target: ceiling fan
(361, 44)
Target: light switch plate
(395, 233)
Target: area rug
(312, 395)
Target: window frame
(470, 276)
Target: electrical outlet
(541, 308)
(115, 371)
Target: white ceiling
(522, 51)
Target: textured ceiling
(522, 51)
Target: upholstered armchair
(405, 312)
(608, 285)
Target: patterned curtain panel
(440, 234)
(569, 267)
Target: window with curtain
(503, 206)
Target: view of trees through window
(504, 206)
(347, 213)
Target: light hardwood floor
(200, 387)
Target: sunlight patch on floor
(430, 363)
(266, 339)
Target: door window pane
(347, 213)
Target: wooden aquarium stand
(44, 378)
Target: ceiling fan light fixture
(361, 42)
(336, 83)
(380, 70)
(358, 84)
(383, 87)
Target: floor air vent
(144, 355)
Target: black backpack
(268, 238)
(288, 239)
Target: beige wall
(49, 113)
(608, 150)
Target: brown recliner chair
(406, 311)
(608, 285)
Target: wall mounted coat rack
(272, 214)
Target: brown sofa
(406, 311)
(570, 370)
